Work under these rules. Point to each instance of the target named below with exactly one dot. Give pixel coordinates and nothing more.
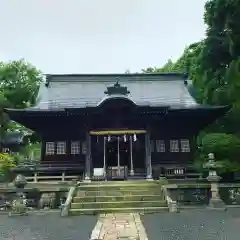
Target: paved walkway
(114, 226)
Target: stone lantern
(212, 166)
(20, 182)
(19, 204)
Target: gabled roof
(89, 90)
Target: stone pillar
(148, 156)
(19, 204)
(215, 201)
(88, 158)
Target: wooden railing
(178, 171)
(63, 177)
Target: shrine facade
(117, 126)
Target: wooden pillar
(148, 156)
(104, 157)
(118, 155)
(88, 157)
(43, 149)
(68, 148)
(131, 156)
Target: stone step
(119, 187)
(120, 204)
(140, 197)
(127, 182)
(120, 183)
(118, 192)
(92, 211)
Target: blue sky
(93, 36)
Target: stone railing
(172, 204)
(38, 196)
(199, 194)
(190, 194)
(230, 193)
(66, 206)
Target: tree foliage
(19, 83)
(213, 64)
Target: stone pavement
(115, 226)
(47, 226)
(190, 224)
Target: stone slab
(115, 226)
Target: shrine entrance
(117, 152)
(122, 152)
(118, 156)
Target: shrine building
(122, 126)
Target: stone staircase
(112, 196)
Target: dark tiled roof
(79, 91)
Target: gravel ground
(46, 227)
(193, 225)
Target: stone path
(120, 226)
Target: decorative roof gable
(117, 89)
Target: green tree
(19, 83)
(214, 66)
(220, 48)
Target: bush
(226, 149)
(6, 162)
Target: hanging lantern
(125, 138)
(109, 138)
(134, 137)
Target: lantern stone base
(216, 203)
(13, 214)
(18, 208)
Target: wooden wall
(165, 130)
(166, 134)
(67, 135)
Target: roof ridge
(88, 77)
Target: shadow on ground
(193, 225)
(47, 226)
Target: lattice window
(50, 148)
(185, 145)
(6, 150)
(174, 146)
(75, 147)
(61, 148)
(160, 146)
(152, 145)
